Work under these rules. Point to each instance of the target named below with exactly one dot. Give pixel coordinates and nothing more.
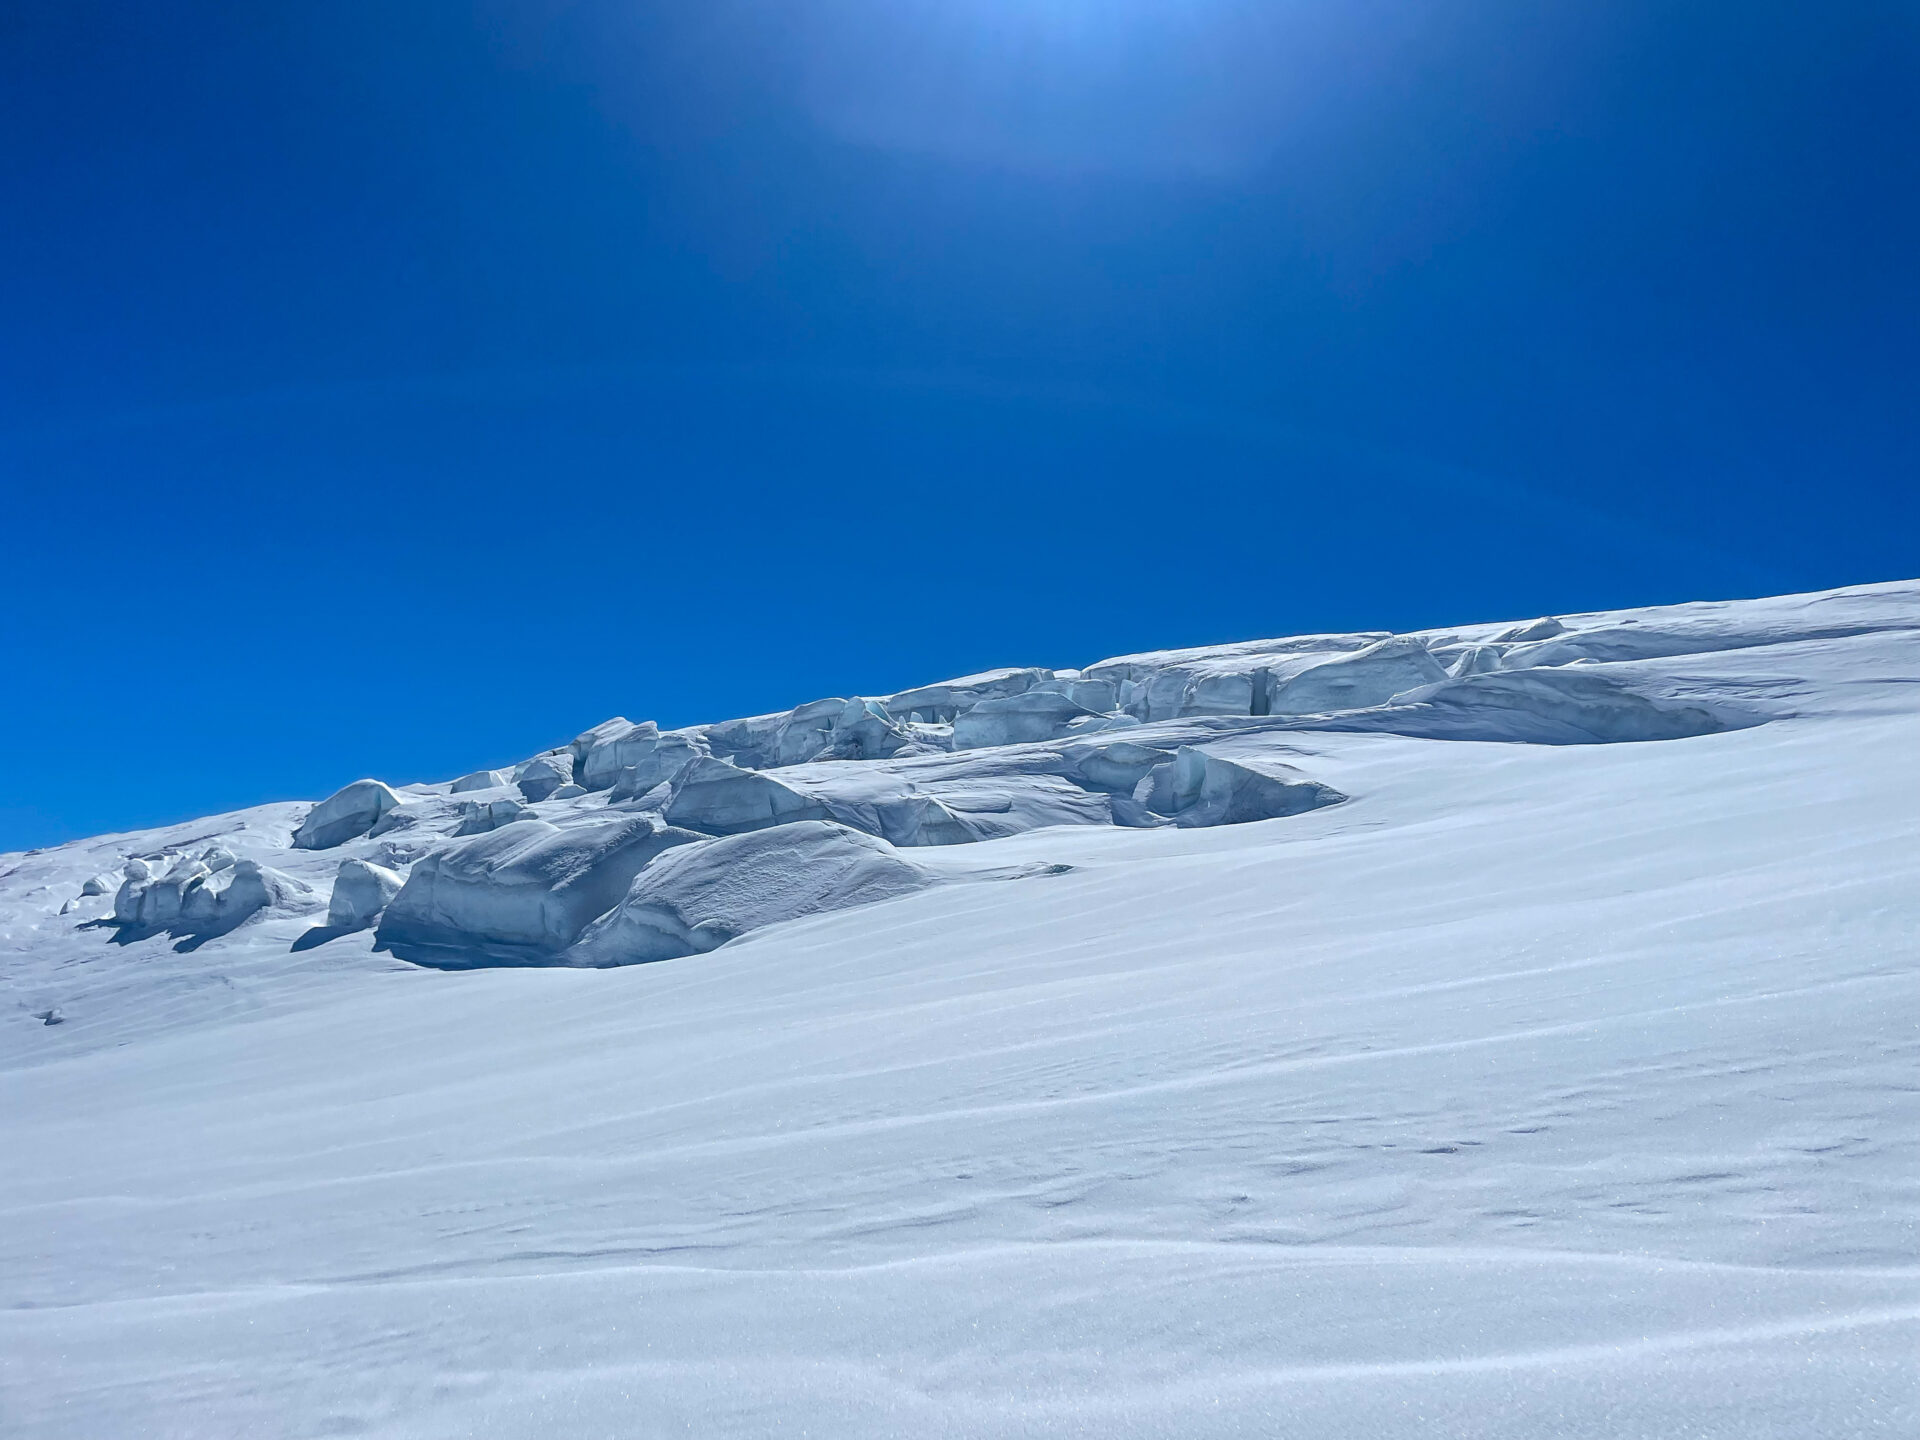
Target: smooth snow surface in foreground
(1535, 1089)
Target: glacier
(1501, 1030)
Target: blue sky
(399, 388)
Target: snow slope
(1540, 1078)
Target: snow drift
(698, 897)
(350, 811)
(1196, 788)
(521, 893)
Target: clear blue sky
(398, 388)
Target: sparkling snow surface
(1534, 1090)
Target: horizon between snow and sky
(399, 389)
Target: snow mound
(360, 892)
(1571, 706)
(345, 815)
(1097, 695)
(1545, 628)
(1475, 660)
(834, 728)
(633, 763)
(1646, 638)
(519, 894)
(1365, 678)
(236, 893)
(153, 900)
(477, 817)
(864, 730)
(717, 797)
(614, 746)
(939, 799)
(701, 896)
(479, 780)
(1219, 688)
(807, 732)
(205, 895)
(943, 702)
(1115, 766)
(541, 776)
(1018, 719)
(1197, 788)
(584, 744)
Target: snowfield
(1504, 1031)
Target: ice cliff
(558, 859)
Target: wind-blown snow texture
(1507, 1031)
